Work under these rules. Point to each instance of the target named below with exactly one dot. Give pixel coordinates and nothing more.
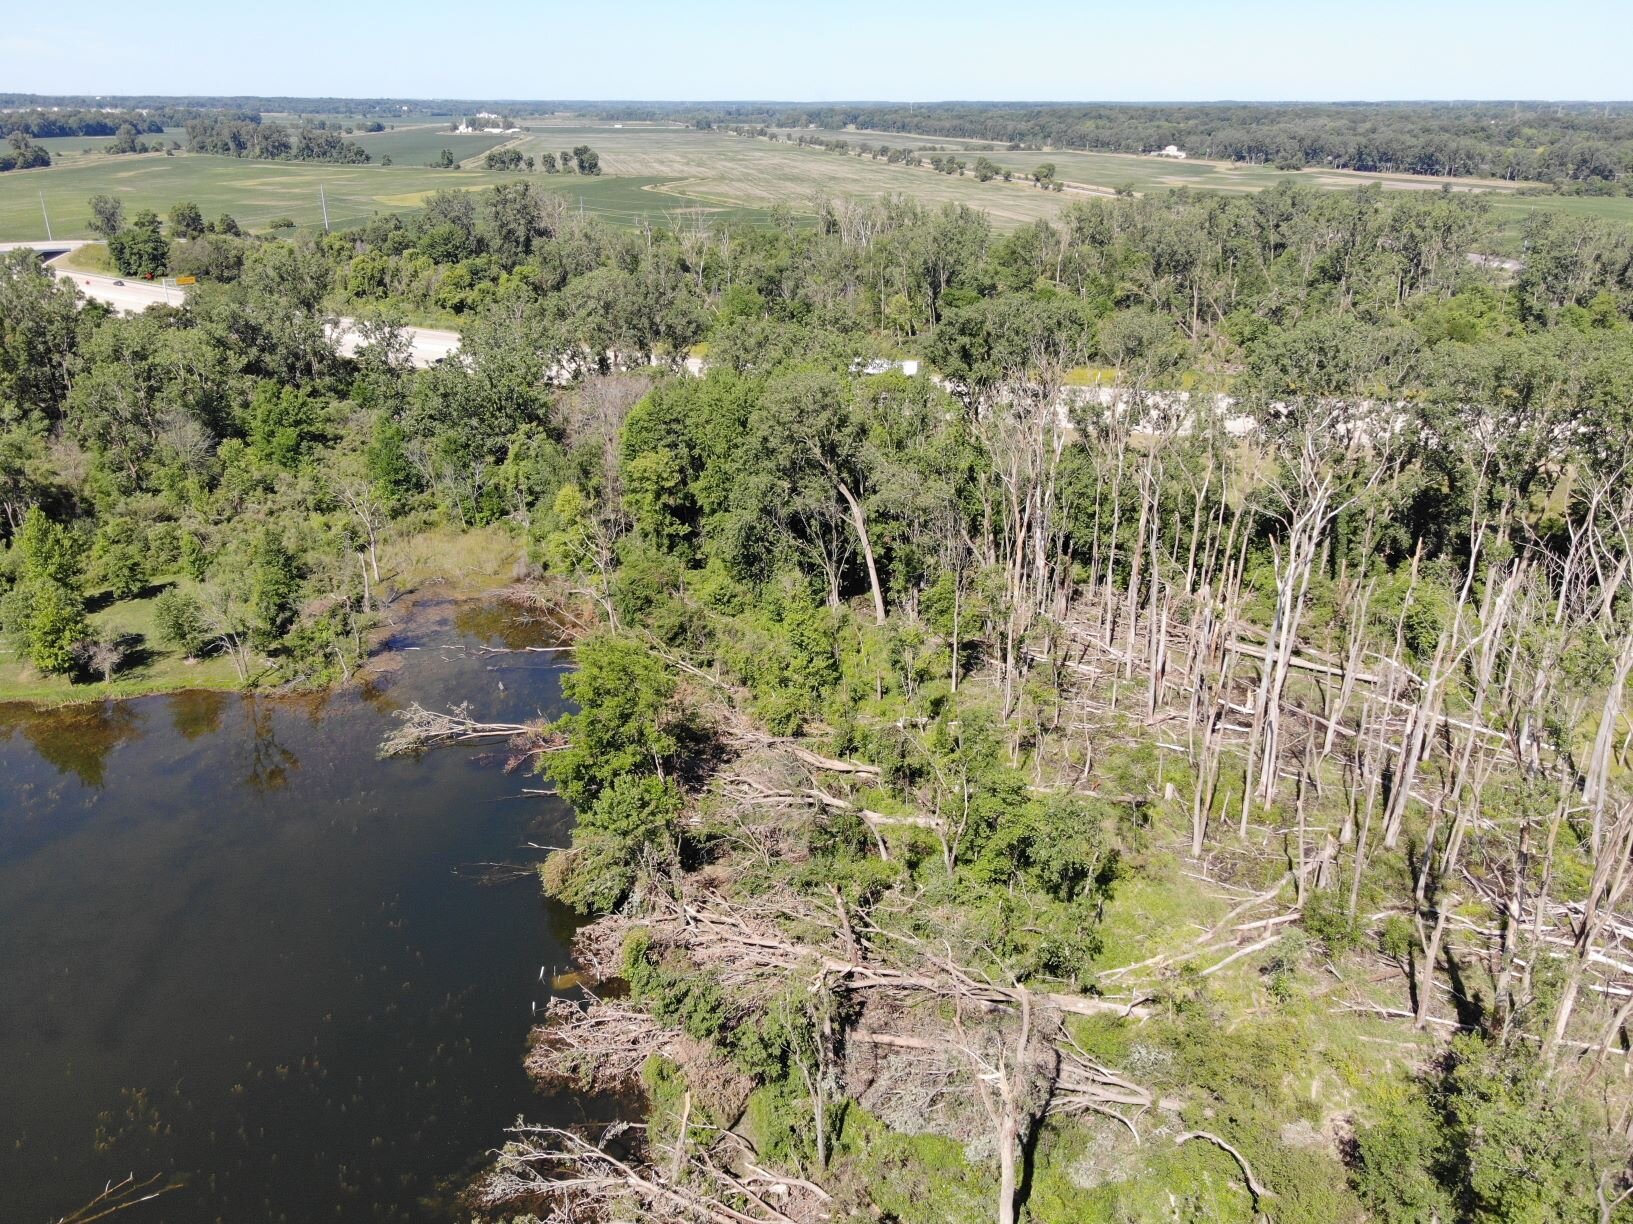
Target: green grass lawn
(457, 562)
(155, 670)
(93, 258)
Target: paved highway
(427, 345)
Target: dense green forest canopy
(1255, 547)
(181, 421)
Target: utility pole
(47, 214)
(324, 200)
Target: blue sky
(842, 49)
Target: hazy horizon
(1032, 50)
(611, 100)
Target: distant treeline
(1573, 143)
(1543, 142)
(183, 107)
(40, 124)
(244, 135)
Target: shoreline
(396, 616)
(433, 562)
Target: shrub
(1327, 918)
(1281, 970)
(179, 622)
(1397, 1161)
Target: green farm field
(419, 144)
(652, 173)
(716, 168)
(1511, 210)
(255, 192)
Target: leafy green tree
(24, 154)
(56, 625)
(186, 221)
(46, 610)
(107, 215)
(1400, 1160)
(387, 463)
(48, 552)
(624, 724)
(195, 558)
(179, 622)
(633, 821)
(39, 325)
(283, 424)
(140, 249)
(811, 440)
(274, 578)
(654, 496)
(118, 557)
(1520, 1151)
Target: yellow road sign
(187, 280)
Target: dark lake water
(239, 949)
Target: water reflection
(270, 762)
(76, 739)
(196, 714)
(246, 953)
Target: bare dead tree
(419, 729)
(120, 1196)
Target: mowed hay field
(733, 172)
(1141, 172)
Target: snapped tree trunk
(860, 522)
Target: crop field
(1511, 210)
(418, 144)
(634, 199)
(721, 170)
(652, 172)
(1145, 173)
(255, 192)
